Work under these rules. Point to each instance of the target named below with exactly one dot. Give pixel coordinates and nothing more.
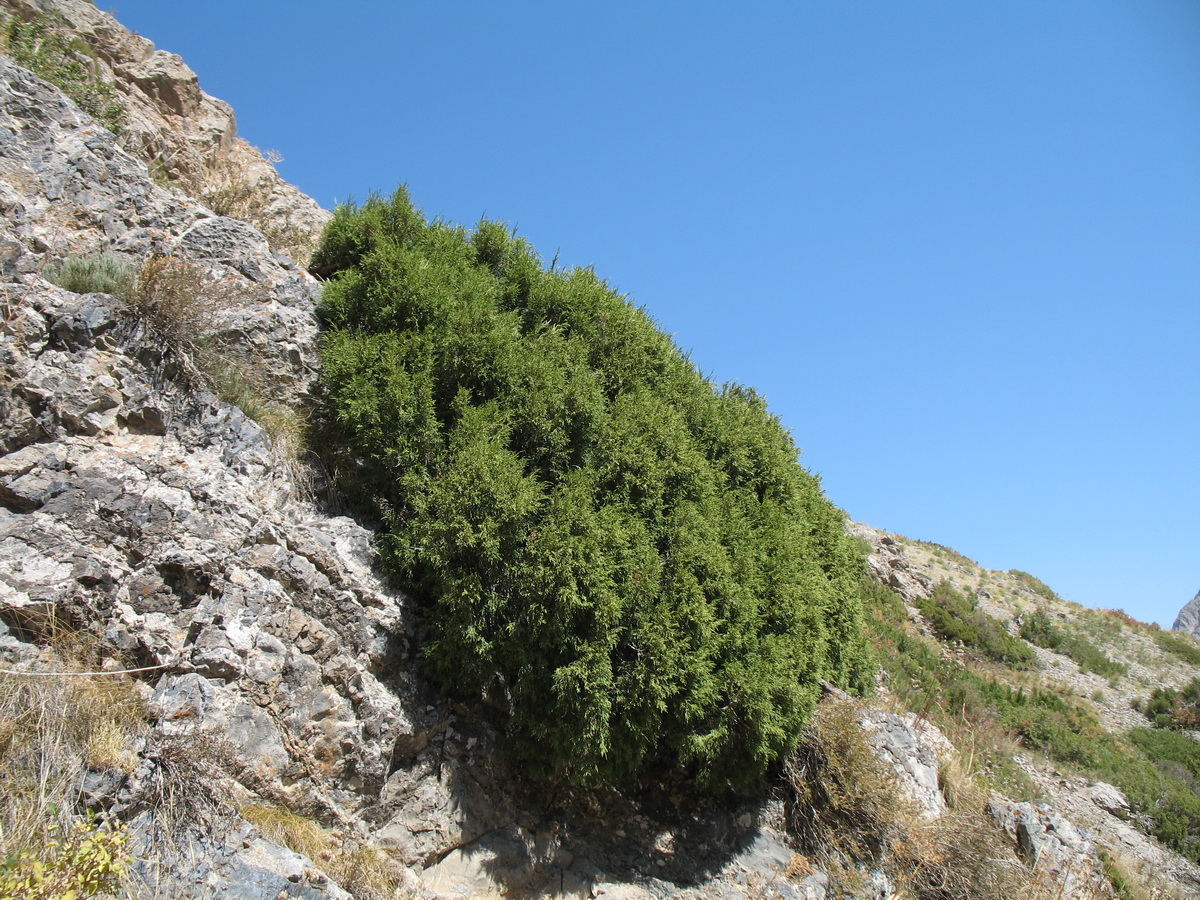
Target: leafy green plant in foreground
(628, 559)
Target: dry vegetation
(57, 725)
(176, 300)
(232, 190)
(844, 807)
(365, 872)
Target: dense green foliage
(46, 47)
(629, 560)
(1040, 629)
(953, 616)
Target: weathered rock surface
(915, 750)
(184, 134)
(888, 564)
(1188, 619)
(1051, 844)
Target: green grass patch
(46, 46)
(955, 618)
(1035, 584)
(1180, 645)
(1038, 628)
(104, 273)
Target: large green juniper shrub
(626, 558)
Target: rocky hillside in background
(272, 736)
(1188, 619)
(187, 138)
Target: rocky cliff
(1188, 619)
(158, 530)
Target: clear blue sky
(957, 245)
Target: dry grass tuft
(179, 299)
(840, 797)
(845, 807)
(53, 731)
(230, 190)
(365, 872)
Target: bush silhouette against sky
(627, 559)
(954, 245)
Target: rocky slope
(155, 523)
(1147, 661)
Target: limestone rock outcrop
(1188, 619)
(187, 138)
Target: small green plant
(1034, 584)
(46, 47)
(76, 862)
(1038, 628)
(1180, 645)
(104, 273)
(1169, 708)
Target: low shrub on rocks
(952, 616)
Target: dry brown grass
(840, 797)
(845, 808)
(229, 189)
(179, 298)
(364, 871)
(53, 730)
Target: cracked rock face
(1188, 619)
(171, 124)
(1050, 843)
